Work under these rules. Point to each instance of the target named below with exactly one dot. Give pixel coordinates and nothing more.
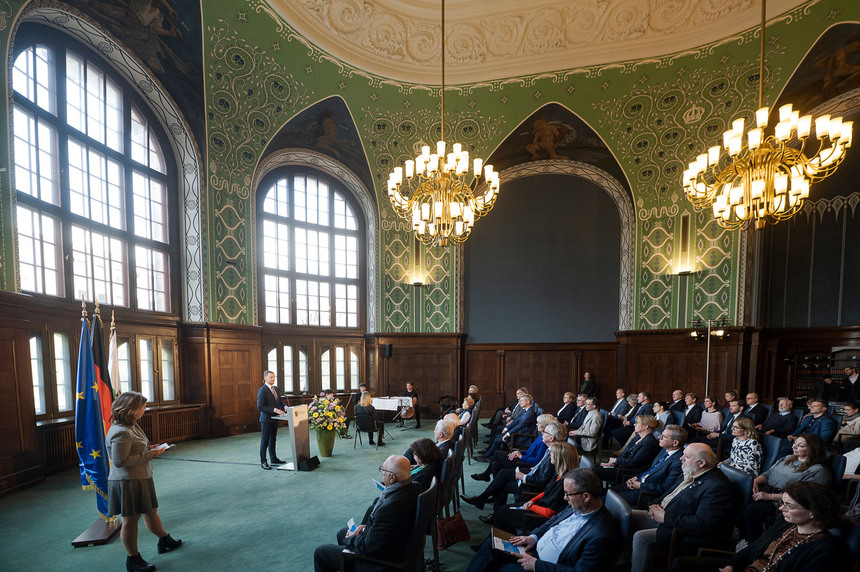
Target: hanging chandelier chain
(433, 191)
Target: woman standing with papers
(131, 492)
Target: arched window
(309, 252)
(96, 208)
(311, 263)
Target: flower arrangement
(326, 413)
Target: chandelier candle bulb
(754, 138)
(804, 126)
(785, 112)
(738, 126)
(761, 117)
(822, 126)
(735, 145)
(410, 169)
(713, 155)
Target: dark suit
(636, 458)
(758, 414)
(823, 426)
(624, 432)
(662, 476)
(525, 423)
(578, 418)
(587, 387)
(709, 506)
(592, 549)
(566, 413)
(694, 415)
(388, 524)
(620, 407)
(782, 425)
(678, 406)
(266, 404)
(849, 391)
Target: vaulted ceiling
(494, 39)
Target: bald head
(697, 458)
(399, 467)
(453, 419)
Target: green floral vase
(325, 441)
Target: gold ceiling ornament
(767, 176)
(435, 191)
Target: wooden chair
(414, 548)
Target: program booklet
(502, 543)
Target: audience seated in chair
(365, 409)
(643, 407)
(588, 433)
(799, 540)
(511, 518)
(443, 433)
(617, 420)
(510, 480)
(568, 407)
(428, 462)
(579, 413)
(746, 454)
(638, 455)
(806, 463)
(783, 422)
(664, 472)
(521, 424)
(593, 547)
(513, 459)
(703, 503)
(387, 524)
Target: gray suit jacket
(590, 430)
(128, 452)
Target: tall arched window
(311, 263)
(96, 208)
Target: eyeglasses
(384, 470)
(567, 495)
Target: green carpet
(230, 514)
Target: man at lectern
(269, 404)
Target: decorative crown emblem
(694, 114)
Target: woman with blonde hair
(564, 457)
(131, 491)
(466, 410)
(365, 407)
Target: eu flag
(89, 426)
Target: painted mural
(554, 132)
(326, 127)
(166, 36)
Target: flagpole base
(99, 533)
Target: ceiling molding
(400, 39)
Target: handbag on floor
(451, 530)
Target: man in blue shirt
(582, 537)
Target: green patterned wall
(654, 115)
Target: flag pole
(106, 527)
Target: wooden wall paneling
(196, 377)
(235, 358)
(483, 369)
(433, 362)
(20, 458)
(602, 361)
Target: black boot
(136, 563)
(166, 543)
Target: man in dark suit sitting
(781, 423)
(663, 473)
(386, 526)
(522, 424)
(643, 401)
(692, 413)
(582, 537)
(677, 401)
(702, 502)
(755, 410)
(579, 415)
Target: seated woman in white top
(712, 419)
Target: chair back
(365, 422)
(679, 417)
(585, 463)
(741, 481)
(423, 516)
(771, 445)
(766, 407)
(798, 413)
(836, 463)
(621, 513)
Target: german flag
(102, 371)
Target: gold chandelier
(438, 195)
(767, 177)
